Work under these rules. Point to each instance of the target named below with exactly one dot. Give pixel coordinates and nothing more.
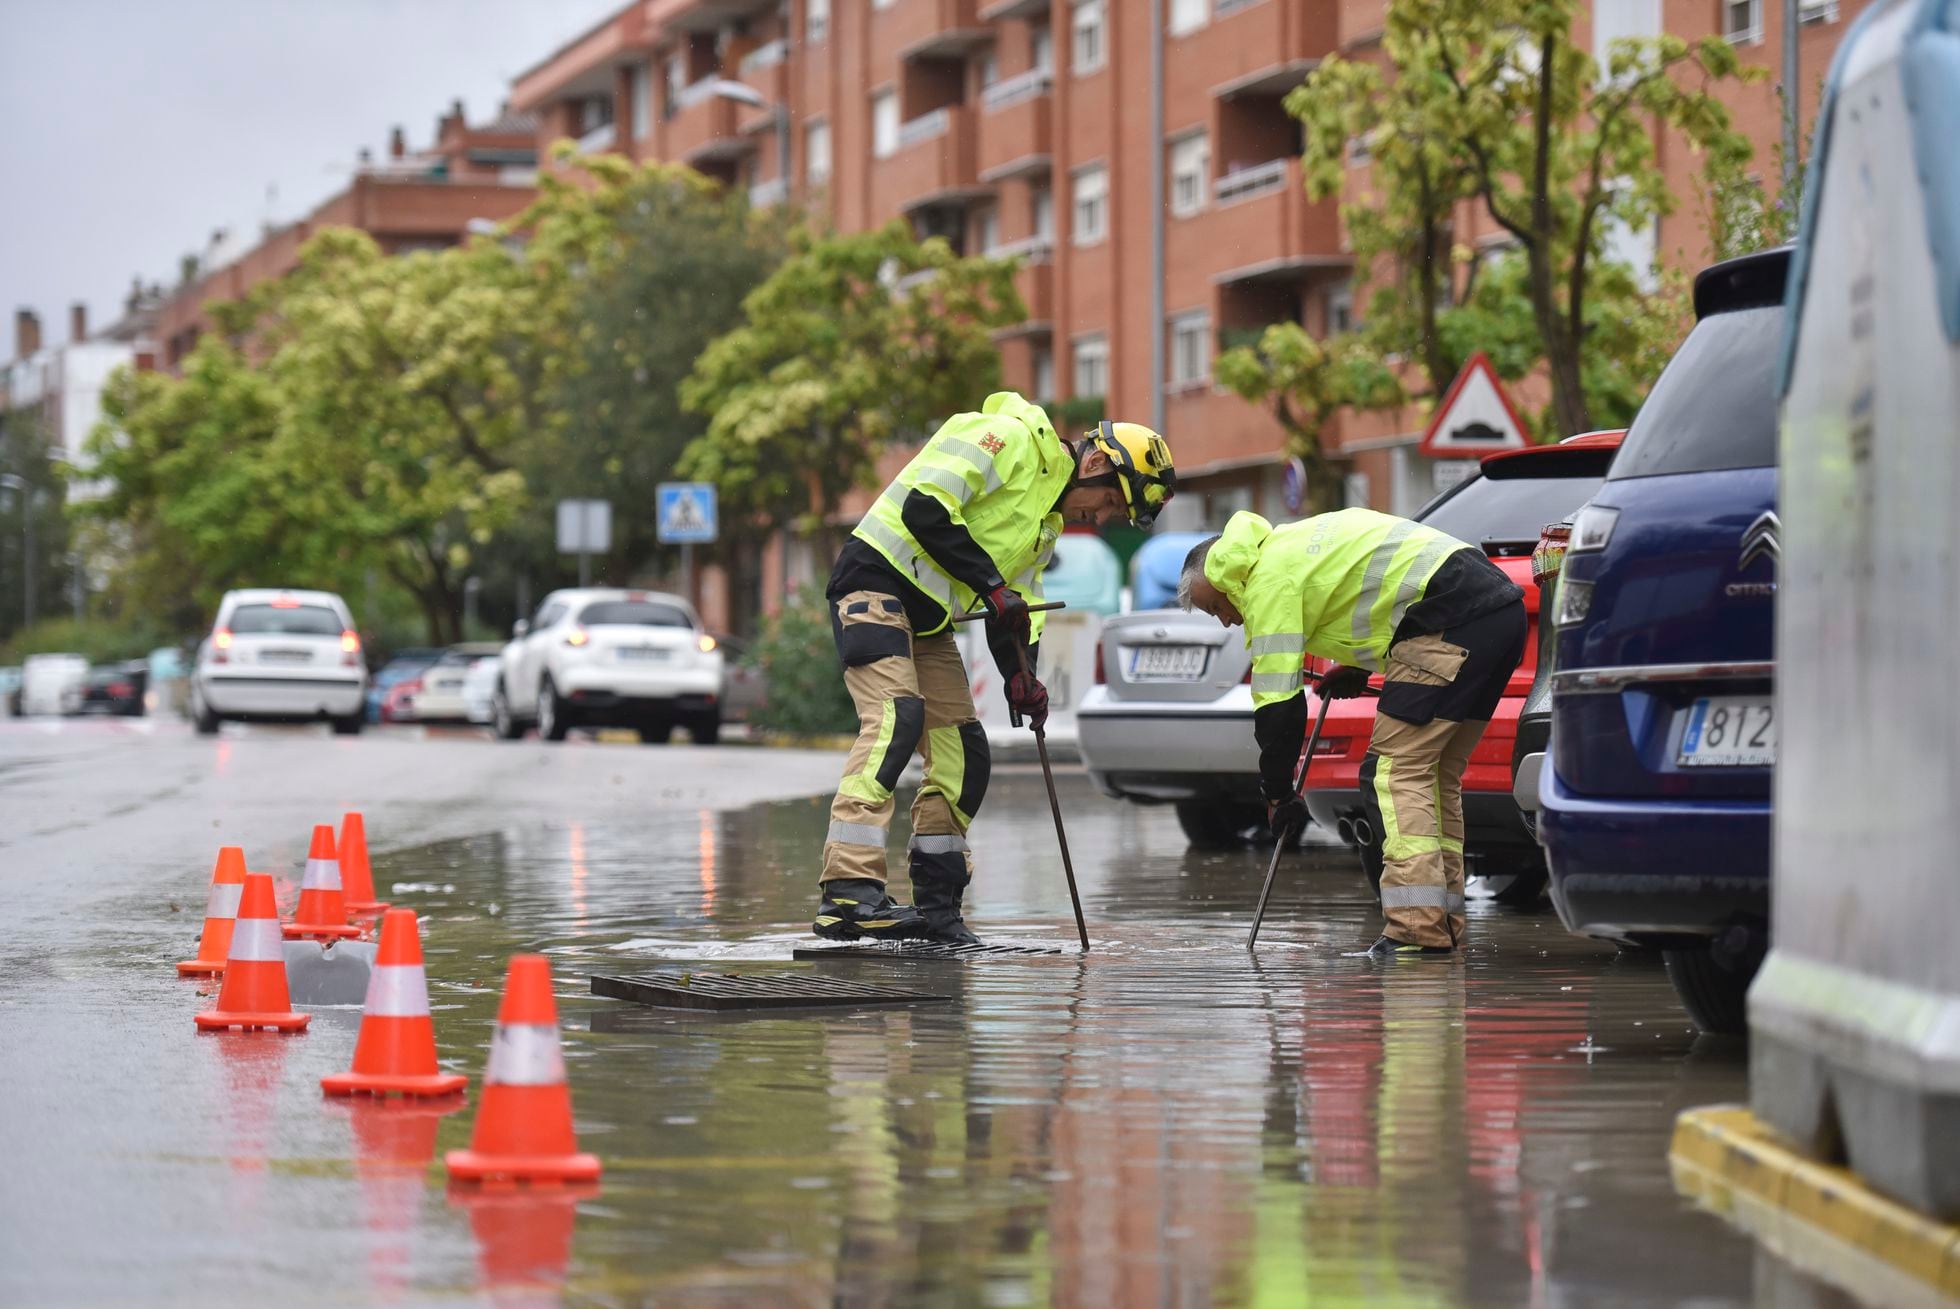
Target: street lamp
(744, 94)
(15, 482)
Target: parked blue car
(1655, 798)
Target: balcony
(933, 165)
(770, 80)
(1016, 114)
(1034, 279)
(1262, 48)
(994, 11)
(764, 195)
(702, 127)
(927, 29)
(1261, 226)
(600, 139)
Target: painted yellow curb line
(1818, 1216)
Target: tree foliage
(1495, 105)
(853, 342)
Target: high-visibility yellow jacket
(976, 507)
(1335, 585)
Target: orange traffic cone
(396, 1050)
(220, 907)
(254, 991)
(356, 877)
(524, 1129)
(322, 913)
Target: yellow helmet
(1142, 463)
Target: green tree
(1494, 102)
(854, 342)
(1303, 381)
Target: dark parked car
(404, 665)
(116, 689)
(1655, 794)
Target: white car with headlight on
(280, 656)
(599, 657)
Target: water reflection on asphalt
(1168, 1121)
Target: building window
(816, 21)
(1816, 11)
(676, 81)
(1042, 42)
(1742, 21)
(816, 152)
(1042, 203)
(1339, 308)
(1091, 205)
(1190, 362)
(989, 69)
(1044, 373)
(1189, 15)
(642, 84)
(1190, 173)
(986, 230)
(884, 124)
(1091, 365)
(595, 112)
(1089, 47)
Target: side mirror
(520, 629)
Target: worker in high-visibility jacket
(1437, 618)
(970, 523)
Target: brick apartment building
(1033, 128)
(421, 200)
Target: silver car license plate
(639, 654)
(1729, 731)
(1167, 663)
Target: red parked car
(1503, 508)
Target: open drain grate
(920, 950)
(724, 991)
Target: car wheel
(706, 728)
(656, 733)
(502, 721)
(1713, 989)
(1213, 824)
(551, 713)
(350, 725)
(202, 716)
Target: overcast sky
(129, 129)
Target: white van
(52, 684)
(280, 656)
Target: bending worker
(973, 518)
(1445, 627)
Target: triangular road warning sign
(1475, 418)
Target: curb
(1819, 1217)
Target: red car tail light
(221, 646)
(1549, 555)
(1101, 676)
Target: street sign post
(1476, 417)
(686, 514)
(584, 529)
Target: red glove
(1007, 611)
(1027, 697)
(1343, 682)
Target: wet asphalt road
(1165, 1123)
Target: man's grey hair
(1194, 569)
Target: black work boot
(858, 907)
(1387, 947)
(938, 884)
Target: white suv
(280, 655)
(608, 658)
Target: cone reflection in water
(220, 908)
(524, 1128)
(523, 1238)
(254, 992)
(396, 1050)
(394, 1142)
(322, 911)
(356, 874)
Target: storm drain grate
(920, 950)
(722, 991)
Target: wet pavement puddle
(1168, 1120)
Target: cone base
(318, 931)
(381, 1084)
(201, 968)
(217, 1020)
(495, 1169)
(368, 906)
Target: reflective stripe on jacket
(999, 473)
(1335, 585)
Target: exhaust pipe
(1344, 829)
(1364, 832)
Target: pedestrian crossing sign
(685, 513)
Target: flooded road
(1166, 1122)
